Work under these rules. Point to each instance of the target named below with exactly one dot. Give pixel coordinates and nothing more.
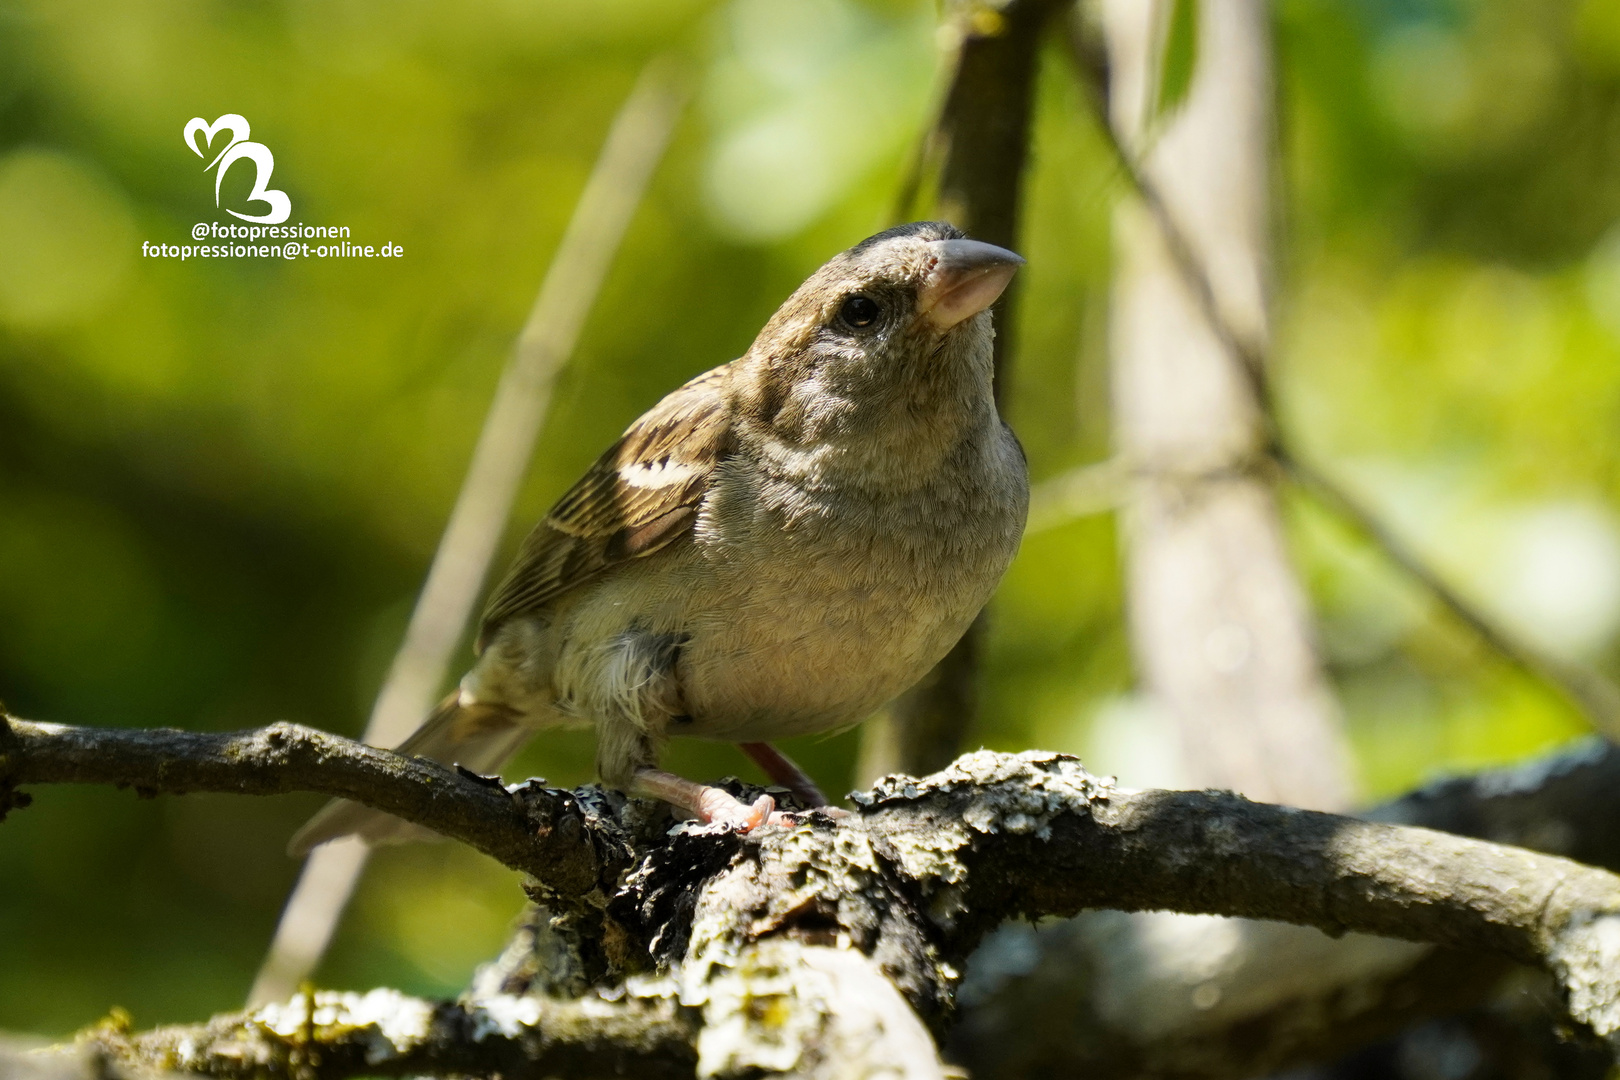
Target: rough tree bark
(833, 947)
(1230, 999)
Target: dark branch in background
(984, 130)
(925, 870)
(980, 145)
(1564, 804)
(1597, 697)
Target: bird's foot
(718, 807)
(710, 805)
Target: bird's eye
(860, 311)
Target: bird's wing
(639, 496)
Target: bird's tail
(476, 736)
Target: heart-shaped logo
(233, 151)
(235, 123)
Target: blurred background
(221, 481)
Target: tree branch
(1110, 994)
(384, 1033)
(1035, 835)
(551, 834)
(926, 869)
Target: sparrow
(777, 548)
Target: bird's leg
(708, 804)
(782, 770)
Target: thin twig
(1594, 695)
(1079, 492)
(923, 159)
(633, 148)
(1587, 689)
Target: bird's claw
(718, 807)
(792, 819)
(722, 808)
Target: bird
(779, 547)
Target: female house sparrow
(777, 548)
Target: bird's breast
(823, 602)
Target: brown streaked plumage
(776, 548)
(607, 517)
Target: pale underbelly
(771, 660)
(804, 635)
(781, 665)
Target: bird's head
(890, 338)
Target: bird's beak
(966, 278)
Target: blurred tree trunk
(1219, 623)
